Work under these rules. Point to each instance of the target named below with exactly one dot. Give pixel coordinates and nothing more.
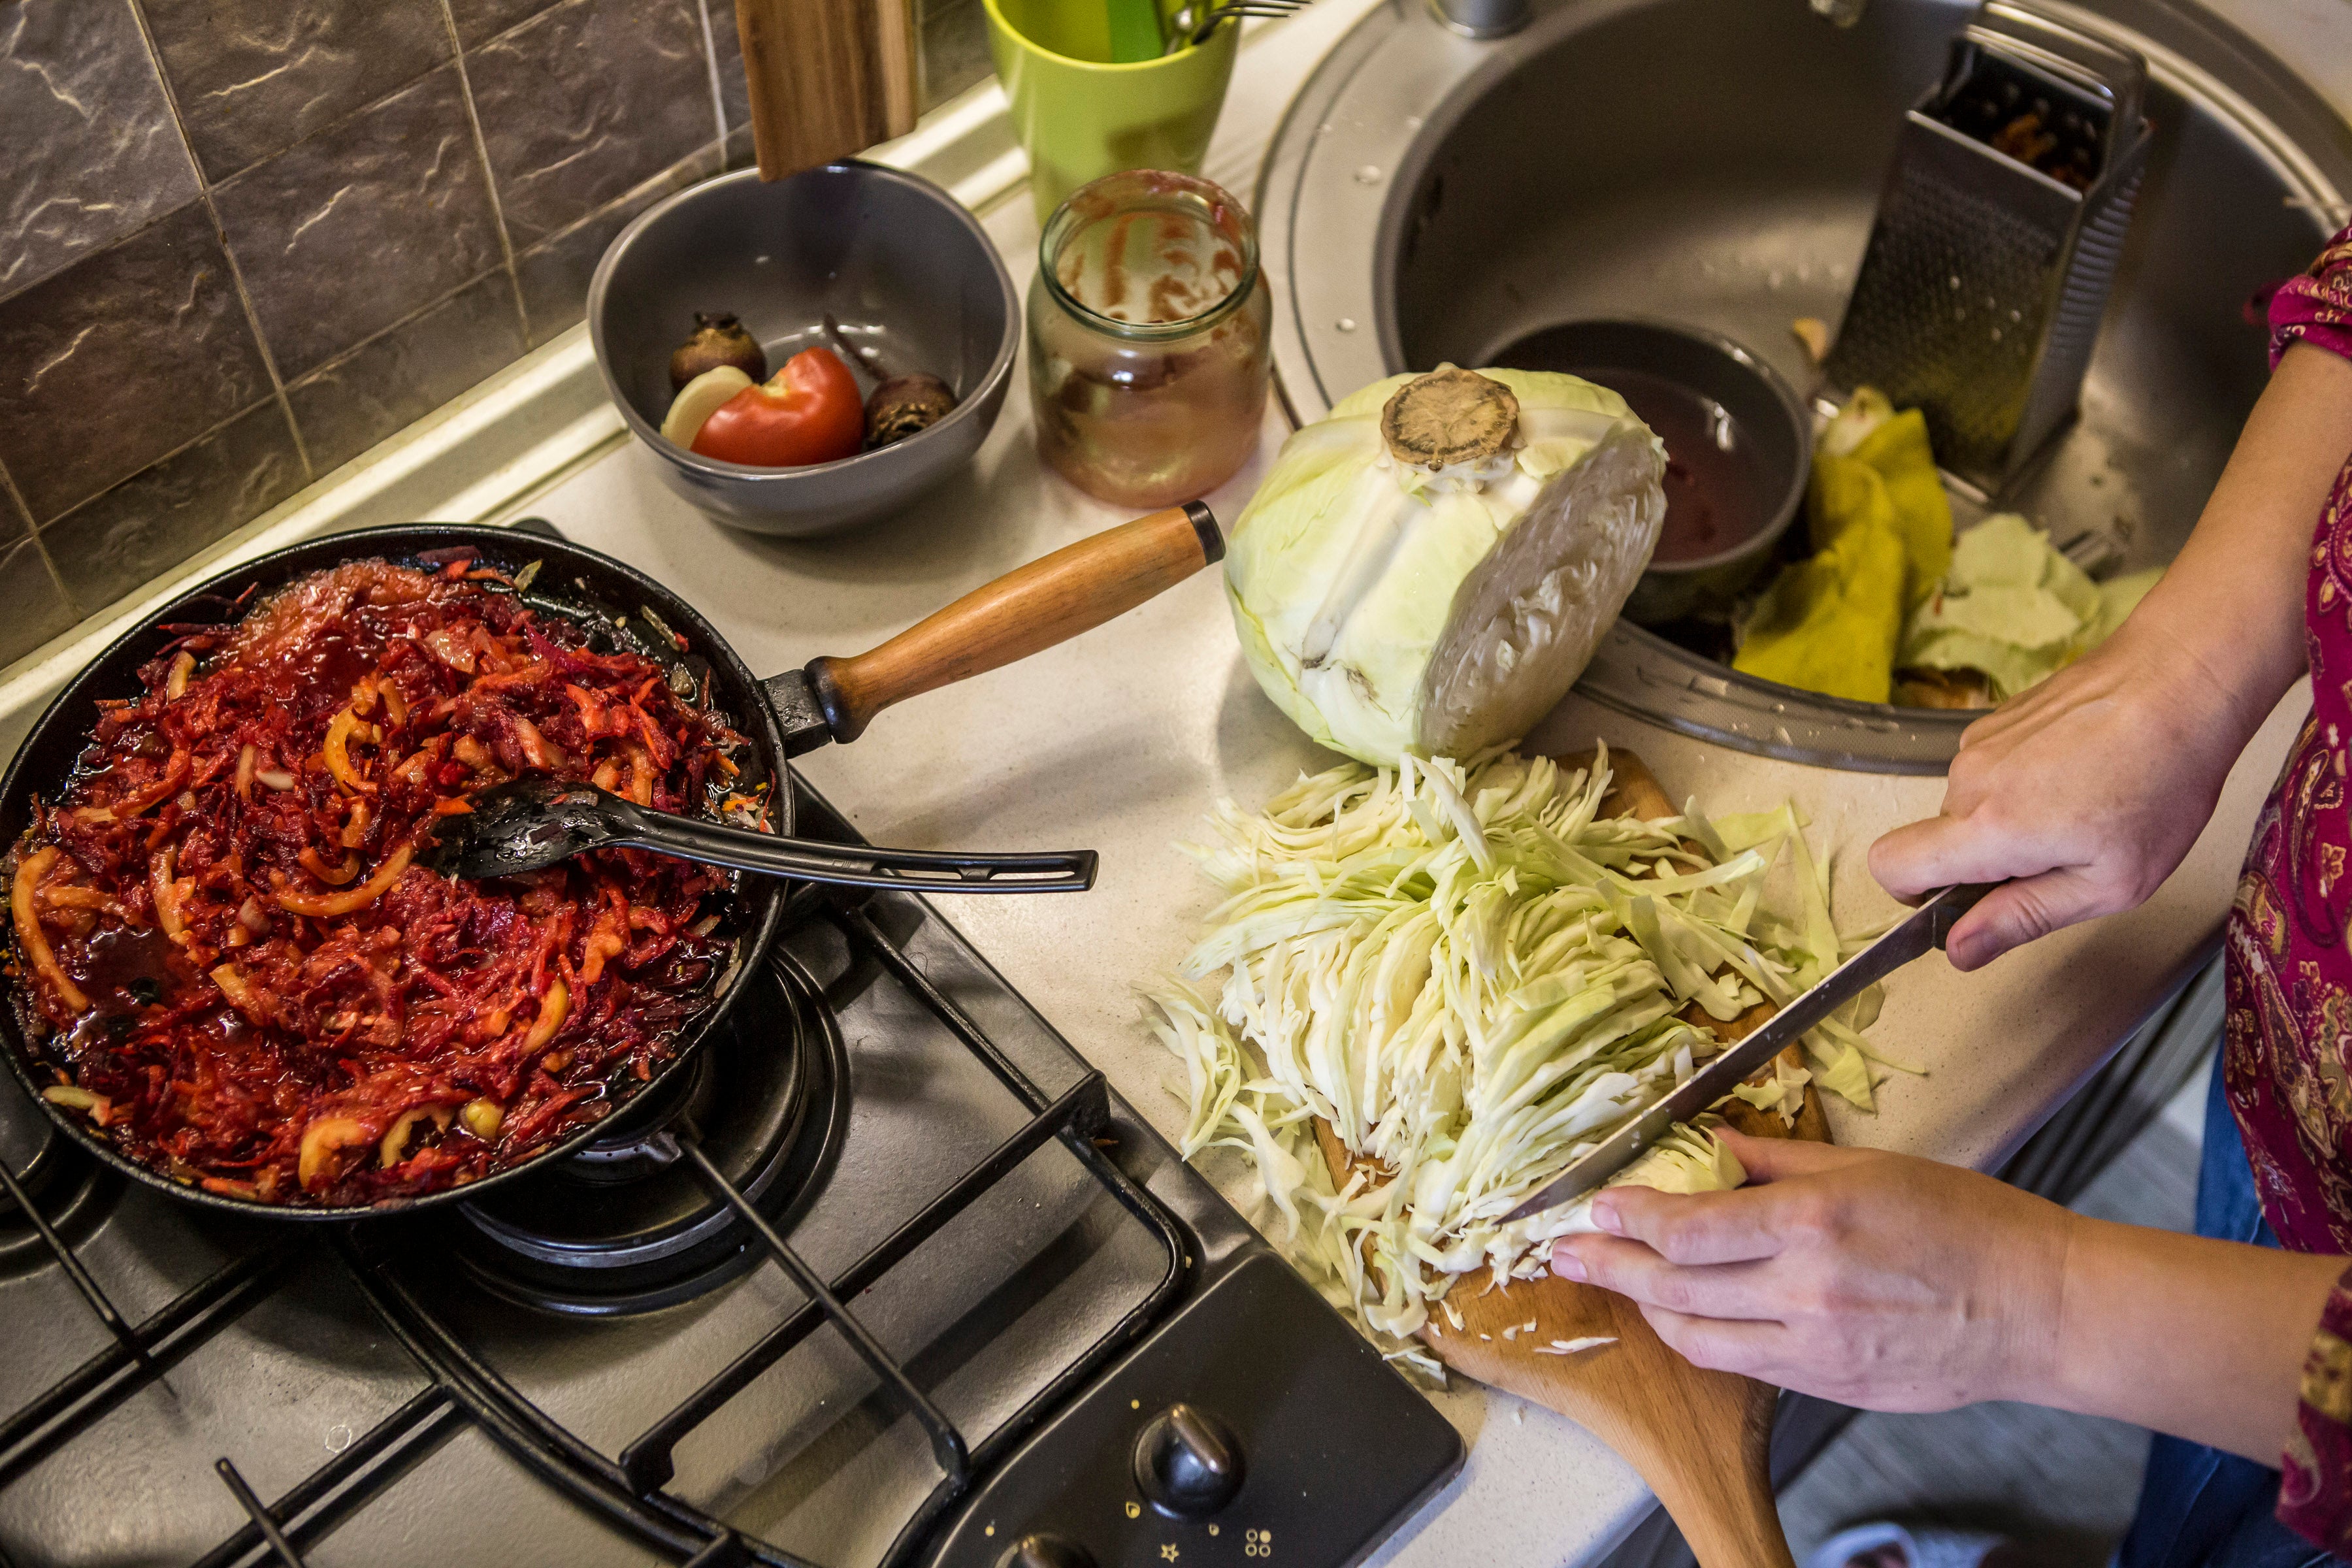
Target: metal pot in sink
(1738, 443)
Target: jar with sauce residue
(1148, 358)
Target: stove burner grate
(647, 1462)
(629, 1225)
(628, 1494)
(51, 1193)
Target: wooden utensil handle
(826, 78)
(1050, 600)
(1723, 1502)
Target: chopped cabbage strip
(1686, 1159)
(1783, 1094)
(1474, 978)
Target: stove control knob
(1188, 1463)
(1045, 1550)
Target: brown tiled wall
(241, 241)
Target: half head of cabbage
(1397, 594)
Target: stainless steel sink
(1432, 197)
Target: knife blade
(1924, 928)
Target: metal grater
(1979, 296)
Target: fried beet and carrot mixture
(242, 971)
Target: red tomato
(808, 412)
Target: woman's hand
(1873, 1280)
(2083, 795)
(2088, 789)
(1896, 1283)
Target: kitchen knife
(1925, 928)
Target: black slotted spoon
(530, 823)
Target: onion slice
(607, 939)
(233, 986)
(698, 400)
(160, 882)
(333, 876)
(552, 1007)
(394, 1147)
(175, 779)
(72, 898)
(321, 1142)
(29, 936)
(537, 749)
(358, 898)
(97, 1107)
(338, 753)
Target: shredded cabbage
(1474, 978)
(1688, 1159)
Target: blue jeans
(2200, 1507)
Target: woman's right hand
(2083, 794)
(2088, 789)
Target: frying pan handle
(861, 865)
(1050, 600)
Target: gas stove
(890, 1279)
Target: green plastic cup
(1081, 116)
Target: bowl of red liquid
(1740, 444)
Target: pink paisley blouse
(2288, 1044)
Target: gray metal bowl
(1763, 408)
(897, 262)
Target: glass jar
(1147, 324)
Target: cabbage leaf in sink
(2013, 607)
(1891, 592)
(1882, 535)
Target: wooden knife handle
(1050, 600)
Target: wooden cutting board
(1701, 1440)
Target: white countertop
(1121, 740)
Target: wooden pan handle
(1050, 600)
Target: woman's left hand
(1875, 1279)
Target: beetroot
(237, 962)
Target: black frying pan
(1047, 601)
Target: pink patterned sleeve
(2316, 307)
(2316, 1483)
